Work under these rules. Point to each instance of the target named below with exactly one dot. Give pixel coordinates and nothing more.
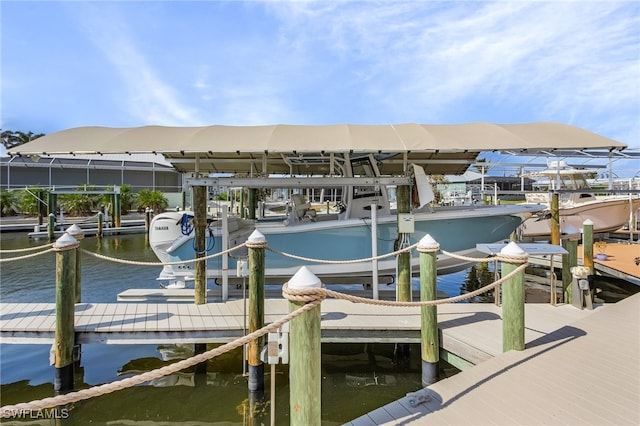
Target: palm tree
(12, 138)
(8, 200)
(153, 199)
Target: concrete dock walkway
(585, 373)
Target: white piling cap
(64, 242)
(304, 278)
(74, 230)
(513, 249)
(428, 242)
(256, 237)
(588, 222)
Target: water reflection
(478, 276)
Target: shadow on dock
(475, 317)
(433, 400)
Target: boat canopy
(300, 149)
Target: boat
(347, 233)
(607, 212)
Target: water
(356, 378)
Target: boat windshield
(569, 181)
(362, 167)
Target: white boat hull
(458, 230)
(607, 215)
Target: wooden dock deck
(471, 332)
(584, 373)
(620, 262)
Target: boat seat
(303, 210)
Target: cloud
(437, 61)
(431, 62)
(144, 94)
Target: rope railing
(248, 244)
(178, 262)
(26, 256)
(22, 250)
(71, 397)
(310, 296)
(200, 259)
(342, 262)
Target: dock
(471, 332)
(620, 262)
(585, 372)
(28, 224)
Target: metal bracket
(242, 268)
(277, 347)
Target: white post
(225, 256)
(374, 249)
(495, 193)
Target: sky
(179, 63)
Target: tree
(8, 201)
(153, 199)
(28, 202)
(11, 139)
(127, 199)
(80, 204)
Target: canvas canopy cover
(299, 149)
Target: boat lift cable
(211, 242)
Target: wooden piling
(304, 357)
(100, 224)
(587, 245)
(76, 232)
(51, 227)
(52, 200)
(256, 245)
(581, 291)
(404, 259)
(117, 209)
(252, 204)
(430, 344)
(147, 220)
(65, 248)
(570, 237)
(200, 227)
(512, 300)
(42, 207)
(555, 218)
(403, 294)
(200, 370)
